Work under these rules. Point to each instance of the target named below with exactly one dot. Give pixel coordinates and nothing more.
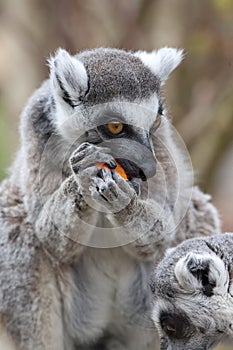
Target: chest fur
(101, 293)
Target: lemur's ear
(201, 272)
(68, 77)
(161, 62)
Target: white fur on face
(73, 124)
(69, 79)
(69, 82)
(161, 62)
(141, 113)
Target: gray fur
(117, 74)
(194, 283)
(60, 288)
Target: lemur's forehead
(140, 114)
(117, 74)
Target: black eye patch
(175, 325)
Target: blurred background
(199, 94)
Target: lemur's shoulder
(38, 114)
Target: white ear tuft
(161, 62)
(183, 274)
(68, 77)
(203, 272)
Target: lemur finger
(89, 173)
(84, 150)
(106, 188)
(124, 185)
(106, 176)
(108, 193)
(85, 179)
(83, 146)
(113, 191)
(90, 160)
(78, 156)
(111, 206)
(89, 146)
(99, 198)
(89, 176)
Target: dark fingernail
(99, 173)
(102, 172)
(83, 146)
(114, 174)
(111, 164)
(135, 186)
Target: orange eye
(115, 127)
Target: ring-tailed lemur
(192, 285)
(69, 280)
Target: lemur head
(192, 300)
(112, 97)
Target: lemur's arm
(158, 232)
(61, 226)
(55, 206)
(68, 217)
(150, 226)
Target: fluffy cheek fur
(72, 125)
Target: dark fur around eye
(175, 325)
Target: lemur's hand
(104, 186)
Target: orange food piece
(118, 169)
